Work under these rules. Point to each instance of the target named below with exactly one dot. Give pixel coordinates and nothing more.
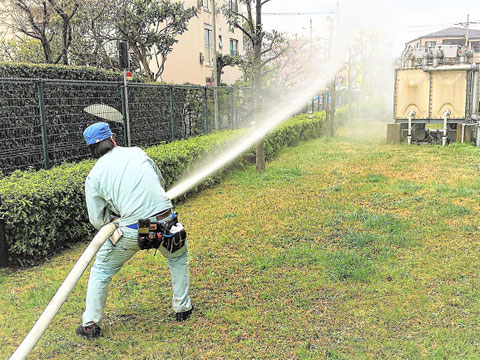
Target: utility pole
(330, 113)
(331, 89)
(467, 35)
(215, 77)
(311, 34)
(338, 15)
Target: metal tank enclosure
(438, 85)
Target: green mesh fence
(42, 121)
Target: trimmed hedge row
(64, 72)
(45, 210)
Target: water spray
(270, 119)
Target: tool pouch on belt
(171, 235)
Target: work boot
(90, 332)
(182, 316)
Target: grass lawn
(344, 249)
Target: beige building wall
(191, 61)
(7, 30)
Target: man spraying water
(125, 183)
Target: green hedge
(64, 72)
(45, 210)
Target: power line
(471, 22)
(429, 25)
(300, 13)
(444, 24)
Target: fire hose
(61, 295)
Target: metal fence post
(127, 115)
(43, 123)
(3, 242)
(206, 108)
(124, 113)
(172, 115)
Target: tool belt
(153, 234)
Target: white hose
(65, 289)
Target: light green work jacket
(126, 182)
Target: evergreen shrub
(45, 210)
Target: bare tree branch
(275, 68)
(276, 56)
(237, 14)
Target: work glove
(176, 228)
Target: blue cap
(97, 132)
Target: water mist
(269, 118)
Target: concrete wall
(183, 63)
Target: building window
(220, 41)
(233, 47)
(430, 44)
(475, 46)
(232, 5)
(205, 4)
(453, 42)
(208, 44)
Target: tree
(332, 87)
(374, 67)
(48, 21)
(150, 28)
(18, 51)
(262, 54)
(294, 65)
(95, 37)
(226, 60)
(66, 10)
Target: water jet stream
(271, 118)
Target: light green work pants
(110, 260)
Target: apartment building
(7, 30)
(192, 57)
(450, 36)
(191, 60)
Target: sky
(400, 20)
